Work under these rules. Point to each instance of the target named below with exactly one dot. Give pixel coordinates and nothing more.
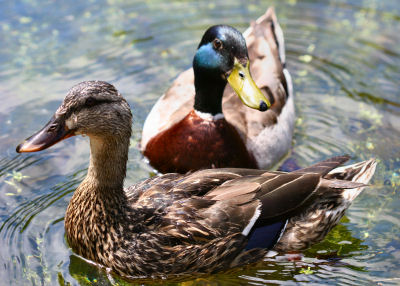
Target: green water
(344, 57)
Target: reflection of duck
(186, 129)
(333, 248)
(200, 222)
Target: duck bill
(53, 132)
(243, 84)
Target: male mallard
(187, 130)
(201, 222)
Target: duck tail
(338, 187)
(278, 33)
(280, 42)
(269, 17)
(361, 173)
(352, 178)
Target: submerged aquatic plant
(16, 178)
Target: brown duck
(202, 222)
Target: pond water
(344, 57)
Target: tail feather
(280, 40)
(340, 186)
(261, 22)
(324, 167)
(360, 173)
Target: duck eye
(52, 128)
(241, 74)
(90, 101)
(217, 44)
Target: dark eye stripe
(91, 101)
(90, 104)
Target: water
(344, 57)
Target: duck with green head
(200, 123)
(220, 58)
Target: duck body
(266, 135)
(196, 141)
(201, 222)
(161, 228)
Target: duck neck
(106, 173)
(108, 158)
(99, 206)
(209, 90)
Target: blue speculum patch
(265, 236)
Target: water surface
(344, 57)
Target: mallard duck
(197, 125)
(201, 222)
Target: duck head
(93, 108)
(222, 57)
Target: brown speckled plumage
(312, 225)
(181, 224)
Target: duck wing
(267, 134)
(219, 218)
(324, 167)
(338, 190)
(265, 45)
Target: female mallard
(201, 222)
(191, 127)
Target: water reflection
(344, 58)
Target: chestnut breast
(197, 143)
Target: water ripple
(344, 58)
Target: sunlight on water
(344, 58)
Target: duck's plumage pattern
(266, 135)
(181, 224)
(313, 224)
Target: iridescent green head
(222, 57)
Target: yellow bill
(245, 87)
